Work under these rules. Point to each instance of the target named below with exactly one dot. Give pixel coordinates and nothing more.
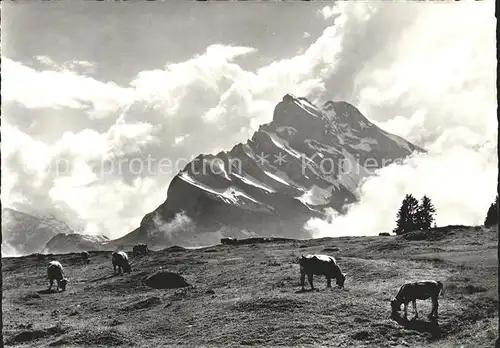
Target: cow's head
(126, 268)
(62, 284)
(395, 305)
(301, 260)
(341, 280)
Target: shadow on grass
(431, 327)
(301, 291)
(104, 278)
(47, 291)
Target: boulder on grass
(166, 280)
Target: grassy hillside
(246, 295)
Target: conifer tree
(492, 215)
(406, 218)
(425, 214)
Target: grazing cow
(140, 249)
(55, 272)
(421, 290)
(229, 241)
(120, 260)
(320, 265)
(85, 257)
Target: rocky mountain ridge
(307, 159)
(24, 233)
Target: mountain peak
(300, 113)
(27, 233)
(307, 159)
(74, 242)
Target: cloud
(181, 224)
(328, 12)
(53, 179)
(83, 67)
(45, 60)
(9, 251)
(55, 89)
(433, 85)
(459, 182)
(79, 64)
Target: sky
(95, 95)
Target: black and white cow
(421, 290)
(320, 265)
(120, 260)
(55, 272)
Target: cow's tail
(441, 289)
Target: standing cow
(55, 272)
(120, 260)
(421, 290)
(140, 249)
(320, 265)
(85, 257)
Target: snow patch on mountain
(307, 107)
(363, 146)
(187, 178)
(317, 195)
(218, 166)
(277, 178)
(234, 195)
(249, 180)
(283, 145)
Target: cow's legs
(114, 269)
(328, 282)
(415, 308)
(51, 282)
(302, 280)
(435, 305)
(406, 309)
(310, 280)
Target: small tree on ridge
(492, 215)
(407, 214)
(425, 214)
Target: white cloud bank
(209, 103)
(439, 88)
